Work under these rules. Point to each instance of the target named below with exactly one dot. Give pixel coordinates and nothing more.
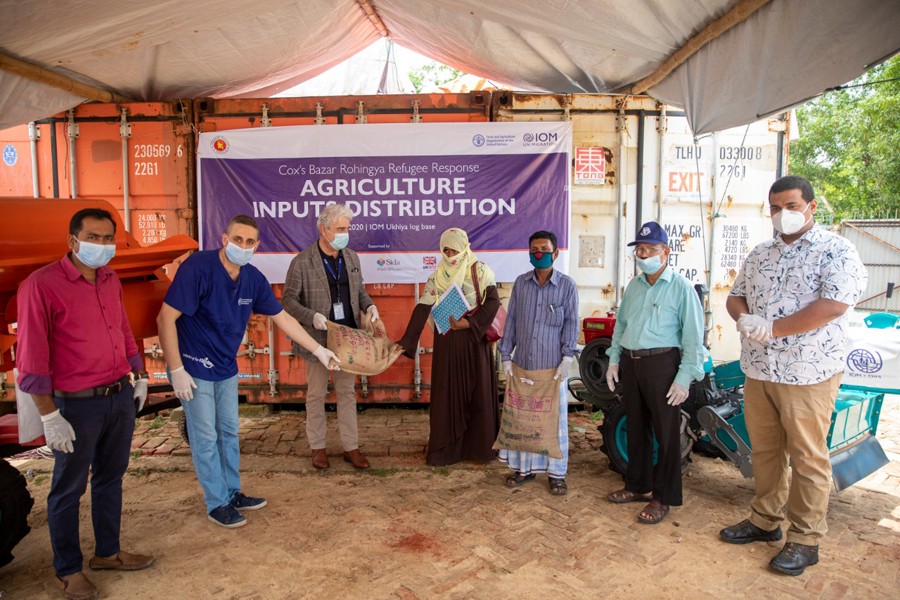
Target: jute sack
(365, 351)
(530, 418)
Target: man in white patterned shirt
(789, 302)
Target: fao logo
(220, 145)
(864, 361)
(478, 140)
(528, 137)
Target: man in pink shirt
(77, 357)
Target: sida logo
(864, 361)
(387, 262)
(220, 144)
(478, 140)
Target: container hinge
(364, 381)
(72, 128)
(155, 351)
(34, 132)
(567, 107)
(265, 121)
(124, 125)
(662, 125)
(320, 120)
(416, 117)
(361, 113)
(620, 117)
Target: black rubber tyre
(592, 365)
(15, 504)
(615, 439)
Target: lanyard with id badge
(337, 307)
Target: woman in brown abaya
(464, 411)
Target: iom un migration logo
(864, 361)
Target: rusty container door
(267, 371)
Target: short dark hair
(543, 235)
(77, 220)
(242, 220)
(794, 182)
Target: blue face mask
(237, 255)
(340, 241)
(95, 255)
(541, 260)
(649, 265)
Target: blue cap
(651, 233)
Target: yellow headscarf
(457, 269)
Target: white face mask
(789, 222)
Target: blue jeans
(103, 428)
(212, 426)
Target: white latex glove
(755, 327)
(140, 392)
(612, 376)
(506, 365)
(677, 394)
(564, 366)
(327, 358)
(372, 311)
(320, 322)
(183, 384)
(58, 432)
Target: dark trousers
(645, 382)
(103, 430)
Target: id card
(338, 309)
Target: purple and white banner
(405, 183)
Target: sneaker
(227, 516)
(242, 502)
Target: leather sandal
(656, 511)
(623, 496)
(558, 486)
(517, 479)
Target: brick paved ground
(403, 530)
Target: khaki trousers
(317, 377)
(785, 422)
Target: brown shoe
(77, 587)
(320, 459)
(123, 561)
(356, 458)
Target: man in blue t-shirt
(201, 325)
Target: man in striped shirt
(542, 330)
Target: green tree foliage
(431, 75)
(850, 145)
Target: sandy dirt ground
(403, 530)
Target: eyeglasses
(645, 252)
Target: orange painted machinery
(35, 234)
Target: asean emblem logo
(220, 145)
(864, 361)
(478, 140)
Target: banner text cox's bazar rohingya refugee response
(498, 192)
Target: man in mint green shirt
(657, 350)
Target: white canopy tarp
(786, 52)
